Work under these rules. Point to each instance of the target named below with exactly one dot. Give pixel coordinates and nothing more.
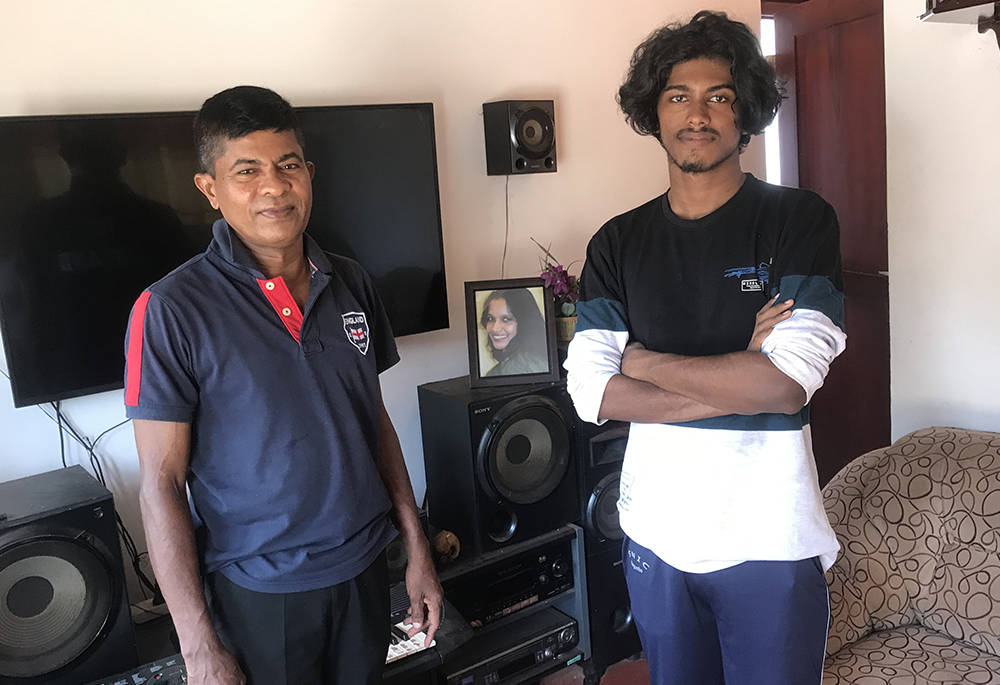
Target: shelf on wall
(982, 13)
(960, 11)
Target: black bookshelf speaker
(500, 462)
(64, 611)
(613, 635)
(520, 137)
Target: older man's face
(263, 187)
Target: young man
(252, 376)
(727, 538)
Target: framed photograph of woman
(512, 337)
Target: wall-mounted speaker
(613, 635)
(500, 462)
(64, 611)
(520, 137)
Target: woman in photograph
(515, 333)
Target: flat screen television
(95, 208)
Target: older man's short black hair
(238, 112)
(712, 35)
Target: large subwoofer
(500, 462)
(64, 612)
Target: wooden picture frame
(512, 332)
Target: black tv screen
(95, 208)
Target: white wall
(943, 115)
(122, 55)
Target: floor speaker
(500, 462)
(64, 611)
(602, 450)
(613, 635)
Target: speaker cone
(524, 452)
(621, 619)
(56, 596)
(533, 133)
(602, 508)
(501, 526)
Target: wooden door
(832, 138)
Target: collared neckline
(229, 246)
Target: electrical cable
(127, 541)
(147, 611)
(64, 424)
(64, 427)
(62, 443)
(506, 232)
(117, 425)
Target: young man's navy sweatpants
(756, 623)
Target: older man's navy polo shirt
(283, 407)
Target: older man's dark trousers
(338, 634)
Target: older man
(252, 376)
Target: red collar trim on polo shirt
(280, 297)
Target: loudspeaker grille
(55, 598)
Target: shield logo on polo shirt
(356, 327)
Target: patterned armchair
(915, 591)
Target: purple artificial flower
(565, 287)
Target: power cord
(506, 231)
(127, 541)
(62, 443)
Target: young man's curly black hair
(711, 35)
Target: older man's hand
(426, 595)
(211, 664)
